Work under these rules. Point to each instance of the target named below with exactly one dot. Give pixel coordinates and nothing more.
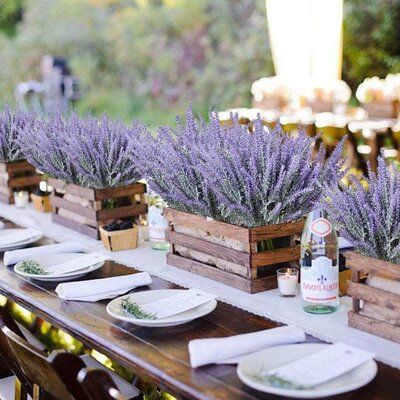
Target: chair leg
(36, 392)
(20, 391)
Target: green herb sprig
(135, 310)
(32, 267)
(276, 381)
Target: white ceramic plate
(47, 261)
(250, 367)
(19, 244)
(115, 310)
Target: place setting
(280, 361)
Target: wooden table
(161, 354)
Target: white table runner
(329, 327)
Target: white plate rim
(47, 278)
(165, 322)
(18, 245)
(306, 394)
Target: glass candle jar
(288, 279)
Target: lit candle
(287, 281)
(43, 186)
(21, 198)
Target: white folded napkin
(98, 289)
(83, 261)
(15, 236)
(230, 350)
(13, 257)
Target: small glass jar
(288, 279)
(157, 223)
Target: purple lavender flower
(89, 152)
(228, 174)
(11, 124)
(369, 217)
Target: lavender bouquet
(369, 217)
(88, 152)
(226, 173)
(11, 125)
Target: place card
(76, 264)
(16, 237)
(177, 304)
(320, 367)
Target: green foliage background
(149, 58)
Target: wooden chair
(23, 386)
(53, 376)
(99, 385)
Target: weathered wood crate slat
(15, 176)
(384, 320)
(231, 254)
(85, 210)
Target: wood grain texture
(215, 228)
(277, 256)
(275, 231)
(363, 263)
(378, 297)
(19, 175)
(374, 326)
(93, 210)
(220, 251)
(161, 355)
(215, 250)
(208, 271)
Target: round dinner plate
(115, 310)
(249, 369)
(18, 244)
(48, 261)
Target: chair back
(99, 385)
(56, 374)
(6, 353)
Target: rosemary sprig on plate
(276, 381)
(135, 310)
(32, 267)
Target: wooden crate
(15, 176)
(229, 253)
(88, 211)
(369, 298)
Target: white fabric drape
(306, 40)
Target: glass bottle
(319, 274)
(157, 223)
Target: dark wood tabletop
(161, 354)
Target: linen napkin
(98, 289)
(13, 257)
(81, 262)
(230, 350)
(15, 236)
